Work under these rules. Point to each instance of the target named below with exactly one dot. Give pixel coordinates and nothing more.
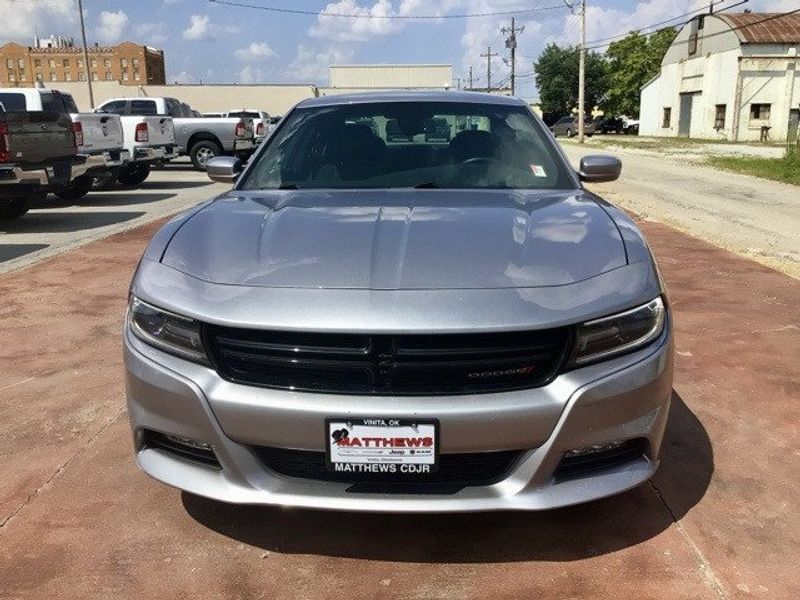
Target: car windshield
(409, 144)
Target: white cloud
(251, 74)
(357, 29)
(185, 78)
(255, 52)
(110, 26)
(151, 33)
(311, 64)
(199, 28)
(23, 20)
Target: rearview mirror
(224, 169)
(596, 168)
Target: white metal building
(728, 76)
(346, 79)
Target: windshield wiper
(288, 186)
(426, 185)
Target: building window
(667, 117)
(123, 62)
(21, 63)
(11, 76)
(65, 63)
(107, 62)
(108, 76)
(94, 62)
(135, 62)
(39, 77)
(37, 62)
(136, 74)
(81, 76)
(22, 76)
(124, 76)
(10, 63)
(67, 76)
(759, 112)
(52, 76)
(719, 116)
(95, 76)
(51, 63)
(692, 44)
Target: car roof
(412, 96)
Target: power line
(771, 17)
(313, 13)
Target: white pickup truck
(149, 138)
(200, 138)
(98, 138)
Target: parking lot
(78, 520)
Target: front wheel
(570, 133)
(14, 208)
(77, 188)
(134, 174)
(202, 152)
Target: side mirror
(596, 168)
(224, 169)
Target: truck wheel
(202, 152)
(106, 179)
(14, 208)
(76, 189)
(134, 174)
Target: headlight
(165, 330)
(603, 338)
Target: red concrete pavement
(720, 519)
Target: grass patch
(786, 169)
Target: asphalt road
(55, 226)
(78, 520)
(753, 217)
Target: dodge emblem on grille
(501, 372)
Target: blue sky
(209, 42)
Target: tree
(632, 62)
(557, 79)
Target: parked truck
(99, 139)
(149, 137)
(200, 138)
(37, 154)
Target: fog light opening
(587, 460)
(181, 447)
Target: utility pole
(470, 78)
(86, 56)
(488, 56)
(511, 43)
(581, 65)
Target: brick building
(57, 59)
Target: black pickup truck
(37, 152)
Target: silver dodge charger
(407, 302)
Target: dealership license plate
(382, 445)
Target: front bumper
(155, 153)
(621, 399)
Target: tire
(134, 174)
(570, 133)
(106, 179)
(14, 208)
(202, 152)
(76, 189)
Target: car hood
(397, 239)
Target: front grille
(388, 364)
(456, 471)
(586, 464)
